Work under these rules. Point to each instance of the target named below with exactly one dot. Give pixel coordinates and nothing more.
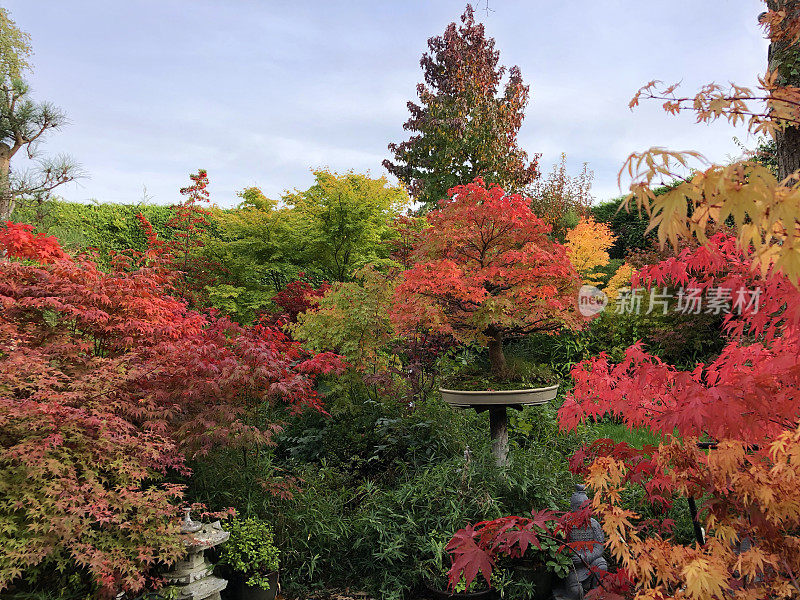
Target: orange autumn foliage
(744, 405)
(587, 247)
(619, 280)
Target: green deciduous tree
(249, 245)
(15, 48)
(353, 319)
(462, 128)
(324, 233)
(342, 221)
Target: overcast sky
(258, 92)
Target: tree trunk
(787, 146)
(6, 197)
(787, 142)
(496, 357)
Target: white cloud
(260, 91)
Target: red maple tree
(749, 392)
(19, 241)
(486, 270)
(189, 224)
(730, 432)
(108, 382)
(297, 297)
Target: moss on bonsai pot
(518, 375)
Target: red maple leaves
(746, 401)
(297, 297)
(19, 241)
(486, 270)
(476, 548)
(108, 381)
(750, 392)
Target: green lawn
(619, 433)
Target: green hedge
(102, 226)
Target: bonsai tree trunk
(496, 357)
(498, 416)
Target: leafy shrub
(375, 439)
(50, 581)
(104, 226)
(251, 551)
(628, 227)
(379, 532)
(683, 339)
(91, 419)
(381, 527)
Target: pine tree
(24, 123)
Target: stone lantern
(193, 575)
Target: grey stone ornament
(187, 525)
(193, 575)
(581, 579)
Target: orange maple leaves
(486, 267)
(587, 247)
(751, 519)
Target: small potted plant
(487, 271)
(251, 553)
(539, 566)
(532, 549)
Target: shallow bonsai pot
(488, 398)
(253, 592)
(490, 594)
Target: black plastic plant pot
(254, 592)
(490, 594)
(537, 574)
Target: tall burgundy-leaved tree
(467, 121)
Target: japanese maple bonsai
(486, 271)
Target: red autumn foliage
(751, 392)
(477, 548)
(485, 271)
(746, 401)
(297, 297)
(19, 241)
(181, 253)
(108, 381)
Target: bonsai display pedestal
(497, 402)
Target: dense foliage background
(282, 359)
